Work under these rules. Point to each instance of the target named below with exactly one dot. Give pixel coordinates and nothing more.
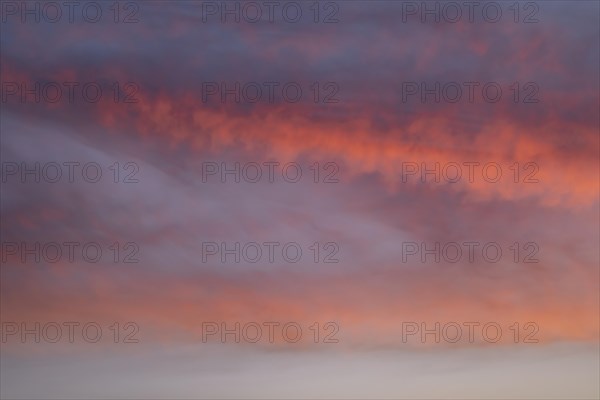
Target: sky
(346, 199)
